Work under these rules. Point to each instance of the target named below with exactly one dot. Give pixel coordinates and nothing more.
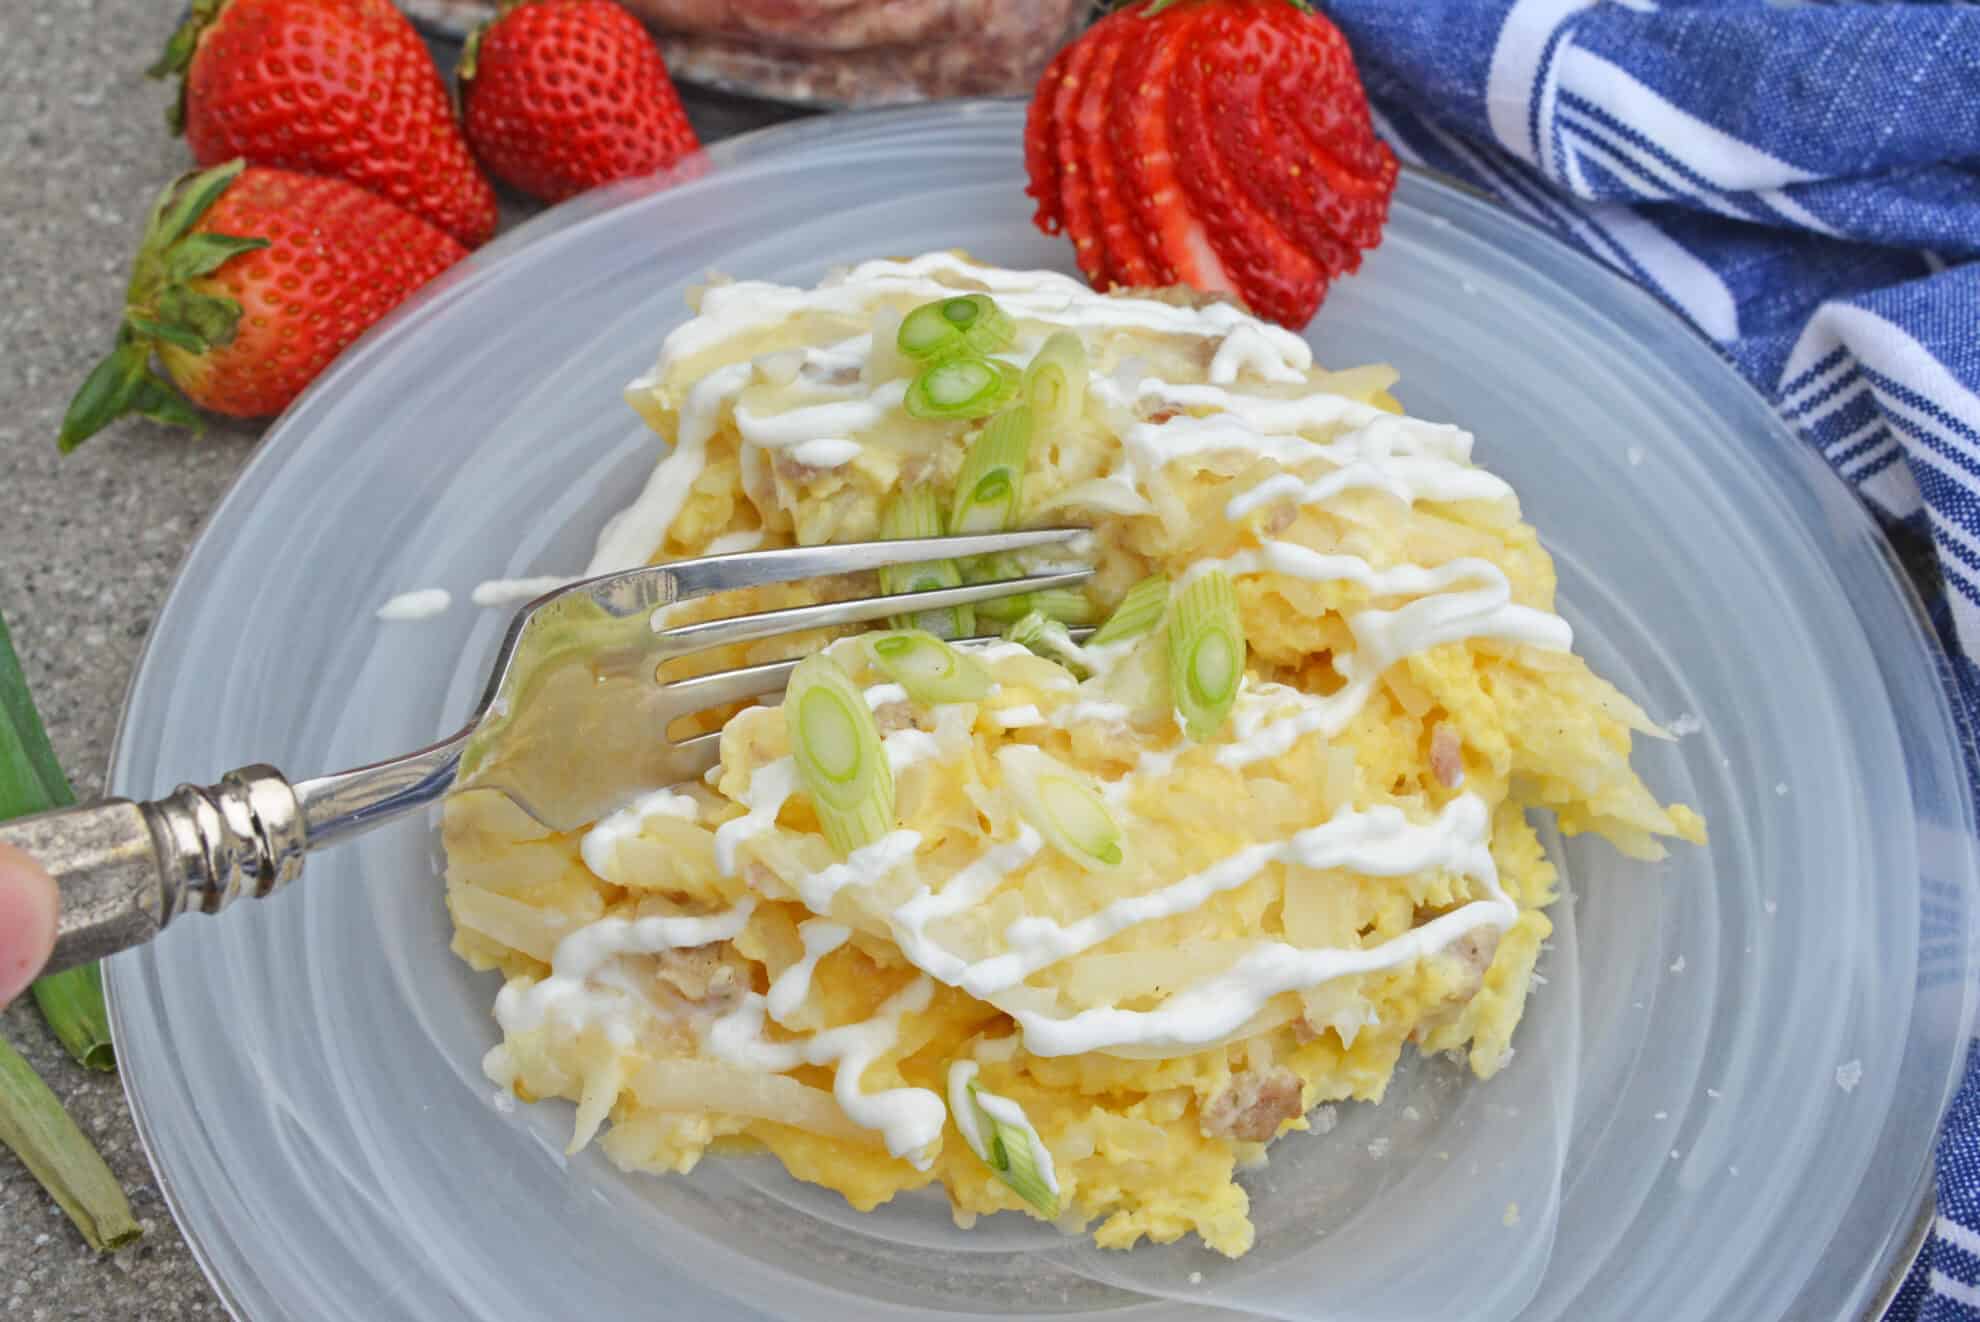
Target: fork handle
(127, 869)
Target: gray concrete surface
(89, 542)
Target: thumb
(28, 901)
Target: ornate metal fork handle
(127, 869)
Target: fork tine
(696, 755)
(744, 569)
(771, 676)
(731, 685)
(748, 628)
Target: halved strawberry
(1075, 201)
(1113, 199)
(1225, 143)
(1170, 225)
(1041, 157)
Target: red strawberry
(248, 282)
(337, 87)
(564, 95)
(1223, 143)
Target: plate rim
(1900, 1245)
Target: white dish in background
(305, 1071)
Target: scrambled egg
(1146, 1139)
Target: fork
(574, 722)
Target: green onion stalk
(1054, 383)
(1140, 610)
(951, 327)
(1046, 637)
(916, 512)
(32, 1121)
(929, 669)
(968, 386)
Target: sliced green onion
(1048, 638)
(929, 669)
(1140, 610)
(37, 1129)
(916, 512)
(990, 488)
(72, 1003)
(841, 761)
(1066, 605)
(1064, 806)
(1055, 381)
(965, 387)
(967, 323)
(1206, 653)
(1012, 1154)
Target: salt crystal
(1674, 1154)
(1849, 1074)
(1677, 965)
(1634, 454)
(1780, 788)
(1412, 1114)
(1324, 1119)
(1661, 1115)
(1732, 1170)
(1196, 1278)
(1714, 1094)
(1686, 724)
(1378, 1148)
(504, 1100)
(1771, 908)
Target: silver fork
(574, 721)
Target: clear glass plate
(305, 1070)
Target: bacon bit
(1303, 1030)
(1253, 1106)
(1447, 756)
(1163, 415)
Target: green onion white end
(1064, 806)
(929, 669)
(840, 758)
(1206, 654)
(1140, 610)
(1000, 1134)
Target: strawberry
(248, 282)
(564, 95)
(336, 87)
(1225, 144)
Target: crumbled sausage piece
(701, 975)
(892, 716)
(1447, 756)
(1253, 1105)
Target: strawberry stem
(178, 54)
(164, 307)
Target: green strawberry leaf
(198, 254)
(195, 194)
(106, 393)
(177, 336)
(159, 400)
(210, 319)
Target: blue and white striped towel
(1803, 185)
